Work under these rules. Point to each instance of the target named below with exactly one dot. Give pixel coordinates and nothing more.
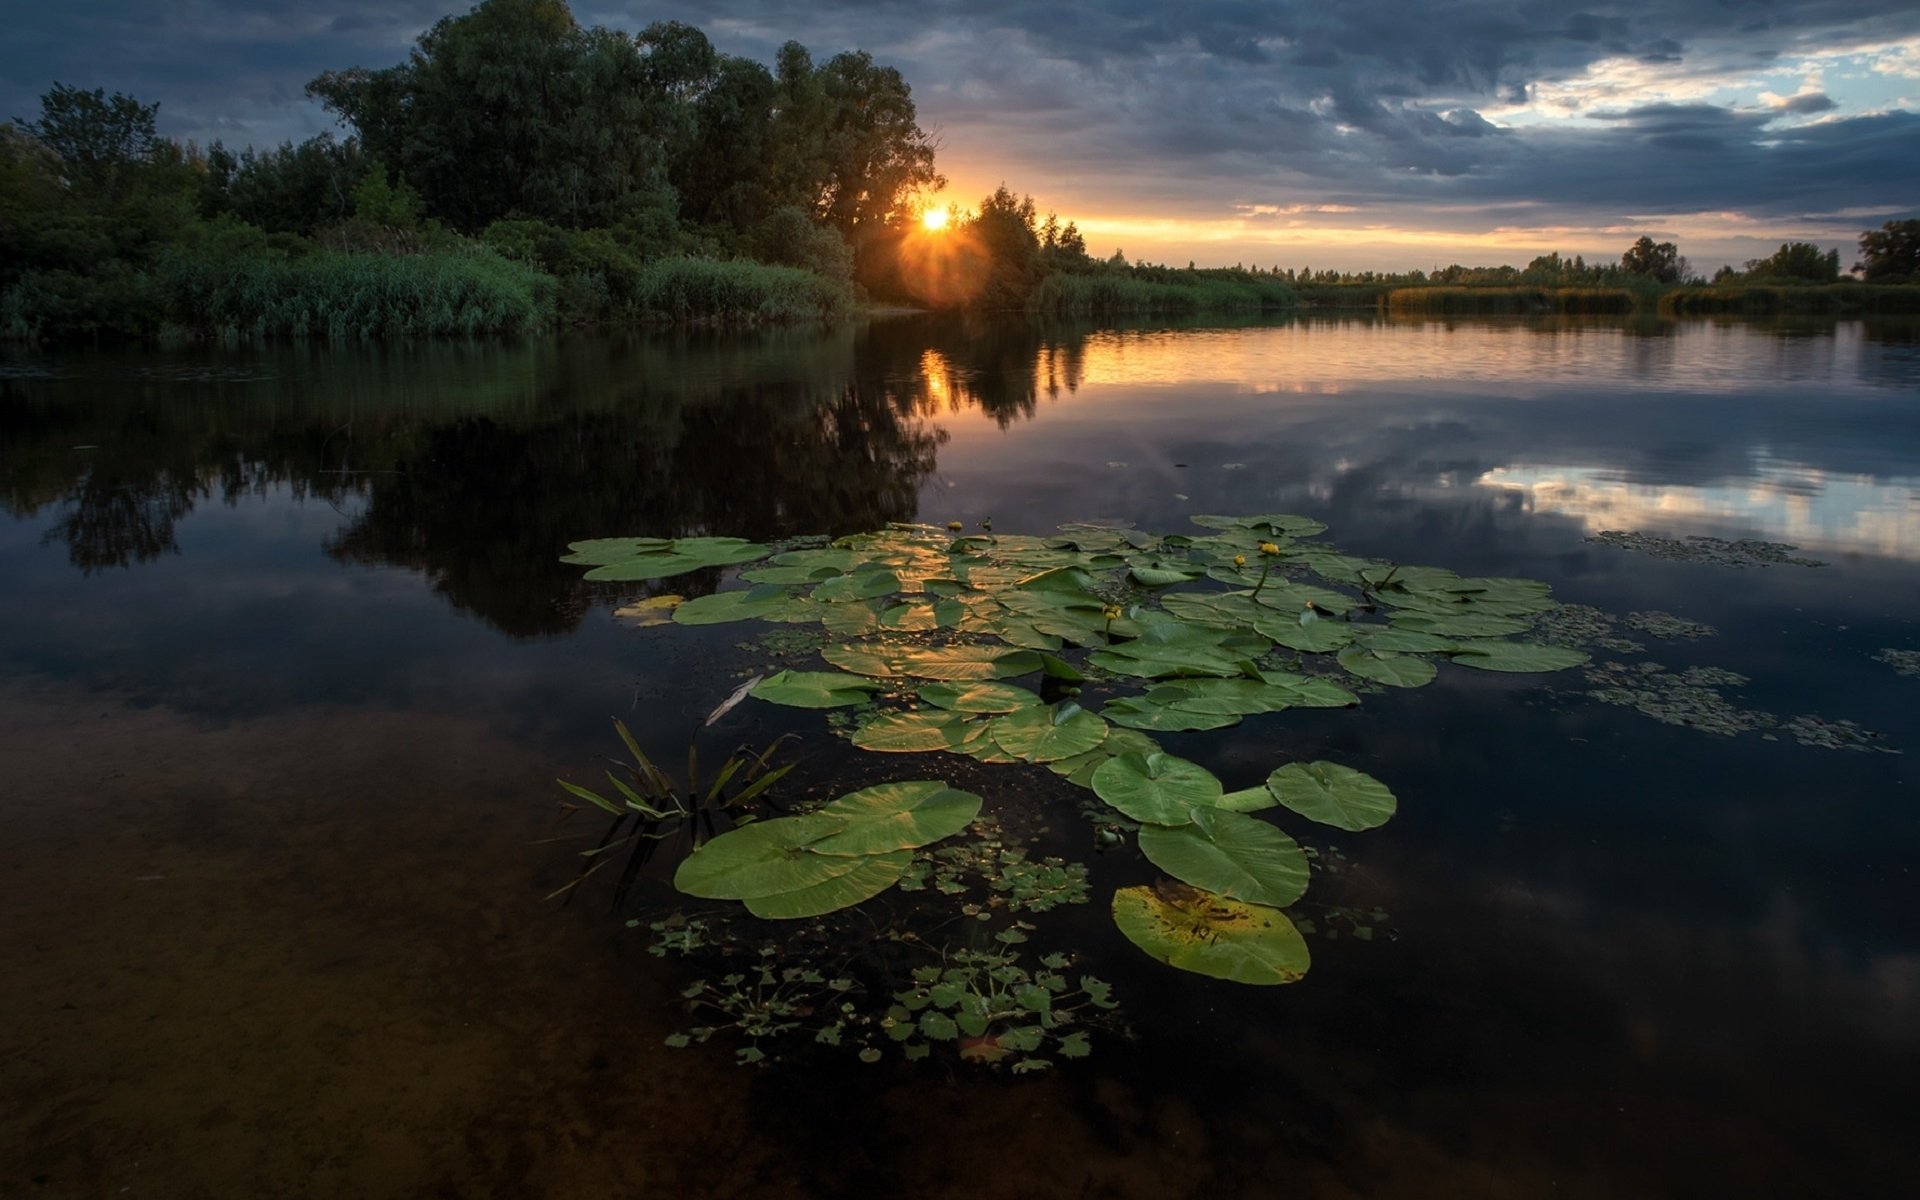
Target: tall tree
(875, 156)
(1799, 261)
(514, 108)
(100, 138)
(1891, 253)
(1659, 261)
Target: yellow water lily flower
(1239, 560)
(1269, 549)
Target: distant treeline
(519, 170)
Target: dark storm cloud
(1184, 109)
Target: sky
(1353, 134)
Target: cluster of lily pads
(1123, 634)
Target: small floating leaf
(1197, 931)
(1333, 795)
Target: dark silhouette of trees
(1891, 253)
(1659, 261)
(1796, 262)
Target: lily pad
(1457, 624)
(1516, 657)
(1211, 935)
(934, 662)
(762, 859)
(978, 697)
(1311, 637)
(916, 732)
(763, 603)
(1135, 712)
(870, 876)
(1394, 670)
(657, 558)
(1229, 854)
(815, 689)
(860, 585)
(903, 815)
(1333, 795)
(1047, 733)
(1156, 788)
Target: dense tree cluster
(1891, 253)
(583, 154)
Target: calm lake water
(290, 666)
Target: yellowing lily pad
(1198, 931)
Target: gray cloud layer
(1186, 109)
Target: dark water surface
(290, 665)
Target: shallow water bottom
(293, 975)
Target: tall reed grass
(708, 290)
(355, 295)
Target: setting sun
(934, 219)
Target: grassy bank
(1115, 294)
(1518, 300)
(1842, 299)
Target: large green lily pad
(1156, 788)
(1229, 854)
(978, 697)
(1197, 931)
(1333, 795)
(903, 815)
(1048, 732)
(815, 689)
(1516, 657)
(656, 558)
(1394, 670)
(934, 662)
(762, 859)
(915, 732)
(870, 876)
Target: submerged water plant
(648, 805)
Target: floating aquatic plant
(1721, 552)
(1904, 662)
(1146, 633)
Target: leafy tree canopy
(1891, 253)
